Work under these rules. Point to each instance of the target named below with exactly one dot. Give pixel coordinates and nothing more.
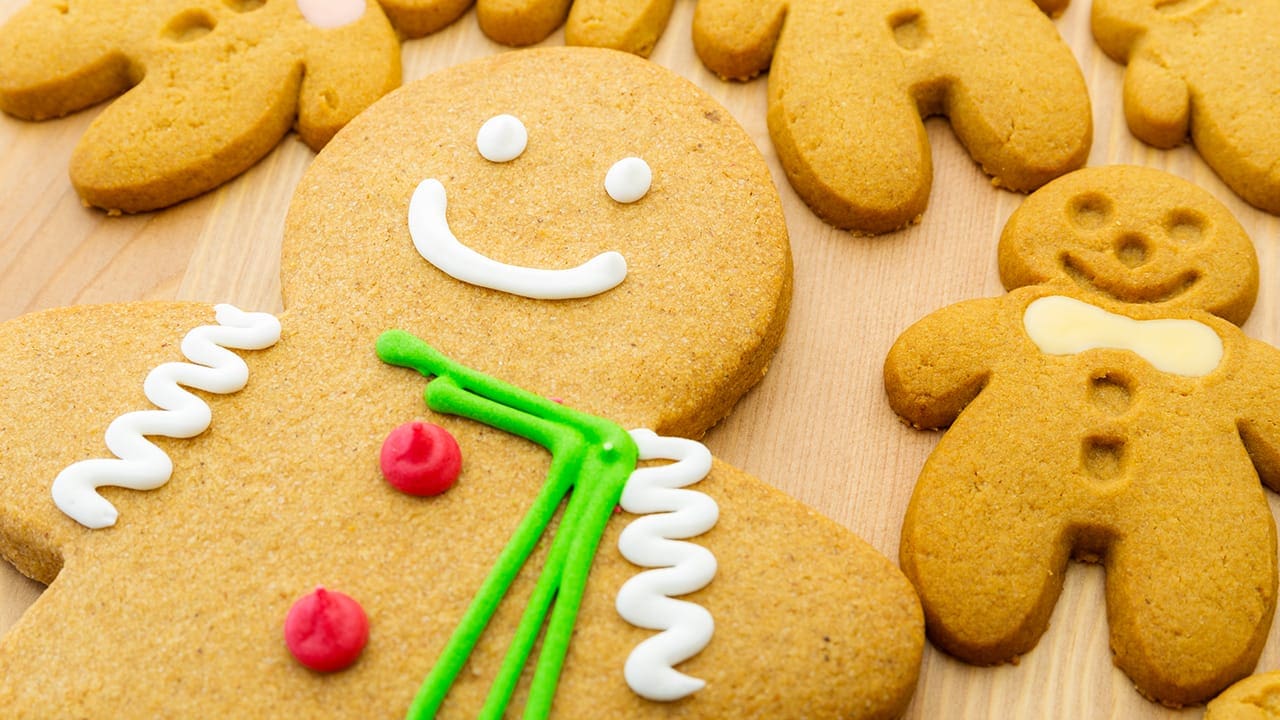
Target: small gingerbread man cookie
(1107, 408)
(851, 80)
(455, 476)
(209, 86)
(1208, 70)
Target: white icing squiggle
(140, 464)
(436, 242)
(682, 567)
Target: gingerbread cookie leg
(986, 558)
(1184, 631)
(1022, 138)
(735, 40)
(520, 22)
(57, 63)
(631, 26)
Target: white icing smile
(437, 243)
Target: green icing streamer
(590, 456)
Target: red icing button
(326, 630)
(421, 459)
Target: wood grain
(818, 427)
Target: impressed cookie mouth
(1130, 286)
(437, 243)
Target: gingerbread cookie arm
(520, 22)
(735, 38)
(1257, 399)
(59, 358)
(1157, 103)
(57, 62)
(633, 26)
(347, 69)
(939, 365)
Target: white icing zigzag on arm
(682, 567)
(142, 465)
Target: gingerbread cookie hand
(208, 87)
(1126, 420)
(1205, 70)
(850, 83)
(505, 306)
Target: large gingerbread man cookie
(1208, 70)
(851, 80)
(209, 86)
(1107, 408)
(612, 257)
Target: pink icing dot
(420, 459)
(326, 630)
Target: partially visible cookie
(1208, 70)
(1108, 408)
(209, 86)
(418, 18)
(633, 26)
(1257, 697)
(851, 80)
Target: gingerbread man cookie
(419, 489)
(850, 82)
(1208, 70)
(209, 86)
(1107, 408)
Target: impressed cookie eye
(628, 180)
(502, 138)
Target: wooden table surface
(818, 426)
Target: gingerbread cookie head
(531, 233)
(1204, 69)
(1179, 249)
(1105, 409)
(544, 209)
(209, 86)
(849, 84)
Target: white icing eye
(628, 180)
(502, 138)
